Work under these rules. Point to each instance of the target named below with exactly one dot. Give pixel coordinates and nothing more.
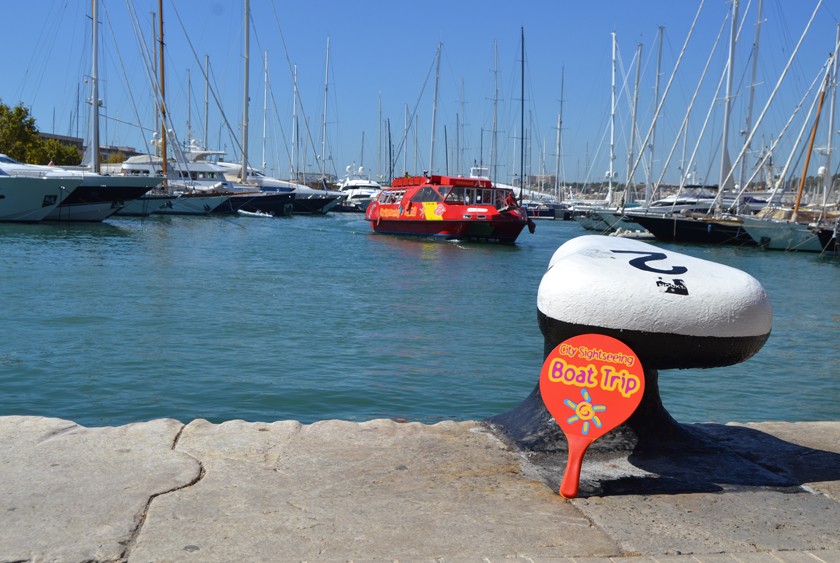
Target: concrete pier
(384, 490)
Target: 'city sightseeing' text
(596, 354)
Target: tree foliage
(19, 139)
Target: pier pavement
(384, 490)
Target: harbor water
(312, 318)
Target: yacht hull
(30, 200)
(99, 197)
(695, 230)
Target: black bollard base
(530, 427)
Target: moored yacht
(201, 187)
(359, 190)
(305, 200)
(28, 199)
(97, 196)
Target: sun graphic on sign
(585, 411)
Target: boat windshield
(427, 193)
(477, 196)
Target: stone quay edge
(387, 490)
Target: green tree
(17, 131)
(19, 139)
(50, 150)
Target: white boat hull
(782, 235)
(188, 204)
(30, 200)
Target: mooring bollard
(674, 311)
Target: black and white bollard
(674, 311)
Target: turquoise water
(311, 318)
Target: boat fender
(531, 226)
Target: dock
(391, 490)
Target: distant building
(105, 152)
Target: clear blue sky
(385, 51)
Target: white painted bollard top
(654, 297)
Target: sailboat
(727, 222)
(804, 229)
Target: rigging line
(146, 58)
(768, 153)
(231, 132)
(797, 143)
(273, 99)
(706, 121)
(271, 91)
(684, 125)
(298, 99)
(414, 111)
(667, 89)
(770, 100)
(125, 77)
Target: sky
(375, 65)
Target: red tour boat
(448, 207)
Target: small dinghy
(244, 213)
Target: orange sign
(590, 384)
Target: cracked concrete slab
(728, 522)
(372, 490)
(808, 451)
(377, 490)
(70, 493)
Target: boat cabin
(446, 189)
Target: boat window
(457, 195)
(391, 196)
(426, 193)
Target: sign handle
(571, 477)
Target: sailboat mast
(243, 173)
(324, 122)
(754, 72)
(206, 97)
(494, 145)
(632, 150)
(94, 102)
(164, 163)
(265, 107)
(379, 137)
(155, 63)
(434, 112)
(656, 103)
(557, 182)
(611, 171)
(828, 175)
(461, 135)
(293, 165)
(727, 101)
(795, 215)
(189, 108)
(405, 128)
(522, 119)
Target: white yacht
(28, 199)
(96, 198)
(358, 190)
(201, 187)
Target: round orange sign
(590, 384)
